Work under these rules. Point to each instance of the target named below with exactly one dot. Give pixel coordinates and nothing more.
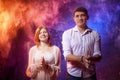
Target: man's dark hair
(81, 9)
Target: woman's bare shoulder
(33, 48)
(56, 47)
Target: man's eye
(83, 15)
(77, 15)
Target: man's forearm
(71, 57)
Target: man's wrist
(81, 59)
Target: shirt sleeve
(66, 43)
(97, 45)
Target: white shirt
(77, 43)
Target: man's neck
(82, 28)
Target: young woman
(44, 58)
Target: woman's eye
(45, 32)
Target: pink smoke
(16, 14)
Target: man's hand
(95, 58)
(86, 62)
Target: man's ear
(74, 18)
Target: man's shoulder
(94, 31)
(68, 30)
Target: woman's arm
(28, 72)
(31, 70)
(54, 69)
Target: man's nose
(80, 17)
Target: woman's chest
(48, 57)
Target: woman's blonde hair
(37, 32)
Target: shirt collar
(77, 30)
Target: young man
(81, 46)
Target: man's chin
(80, 25)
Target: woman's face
(43, 36)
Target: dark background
(20, 18)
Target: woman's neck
(43, 44)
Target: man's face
(80, 19)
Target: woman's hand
(42, 64)
(33, 70)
